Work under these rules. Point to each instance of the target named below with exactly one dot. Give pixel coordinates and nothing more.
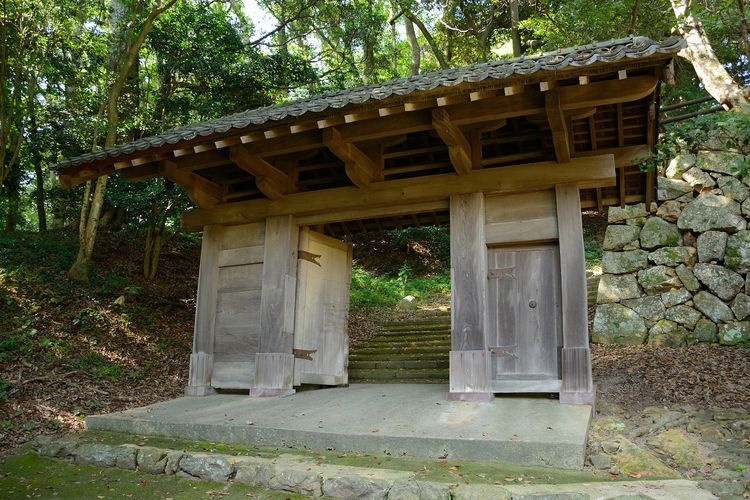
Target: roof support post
(470, 360)
(274, 362)
(577, 385)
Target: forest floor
(68, 350)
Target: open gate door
(321, 341)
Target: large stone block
(619, 236)
(705, 331)
(657, 232)
(624, 262)
(741, 306)
(669, 189)
(733, 188)
(688, 278)
(721, 281)
(698, 179)
(680, 164)
(713, 307)
(711, 212)
(723, 162)
(711, 246)
(666, 333)
(658, 279)
(673, 256)
(207, 467)
(620, 214)
(617, 324)
(683, 315)
(737, 254)
(669, 210)
(614, 288)
(650, 308)
(737, 332)
(675, 297)
(746, 208)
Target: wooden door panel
(323, 278)
(524, 317)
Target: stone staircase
(414, 351)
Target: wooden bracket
(557, 124)
(304, 353)
(202, 192)
(359, 167)
(309, 257)
(271, 181)
(459, 148)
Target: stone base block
(199, 391)
(470, 396)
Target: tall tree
(699, 51)
(130, 25)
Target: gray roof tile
(605, 52)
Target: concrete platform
(394, 419)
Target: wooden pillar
(469, 358)
(202, 358)
(577, 386)
(274, 363)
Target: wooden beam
(360, 169)
(585, 172)
(624, 157)
(557, 125)
(141, 172)
(607, 92)
(201, 191)
(271, 181)
(459, 148)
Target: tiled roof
(584, 55)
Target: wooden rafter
(558, 125)
(201, 191)
(360, 168)
(271, 181)
(459, 148)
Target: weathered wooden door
(524, 318)
(321, 341)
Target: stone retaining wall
(679, 273)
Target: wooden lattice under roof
(556, 108)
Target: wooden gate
(321, 342)
(524, 326)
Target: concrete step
(364, 364)
(440, 356)
(409, 342)
(400, 381)
(408, 327)
(399, 374)
(401, 350)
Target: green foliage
(99, 367)
(4, 387)
(721, 131)
(369, 289)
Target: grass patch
(370, 289)
(29, 475)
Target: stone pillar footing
(199, 391)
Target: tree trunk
(515, 36)
(90, 223)
(744, 28)
(430, 40)
(37, 159)
(700, 53)
(411, 37)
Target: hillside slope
(68, 349)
